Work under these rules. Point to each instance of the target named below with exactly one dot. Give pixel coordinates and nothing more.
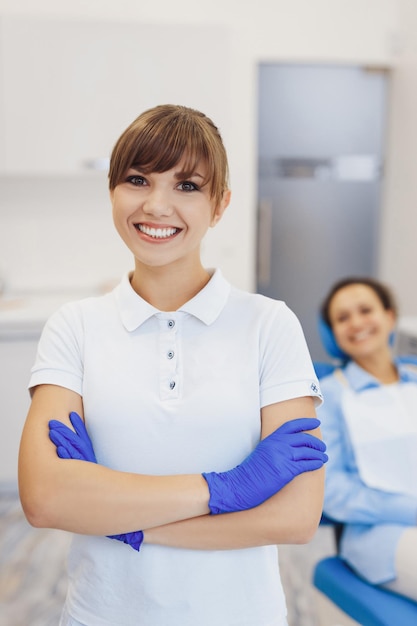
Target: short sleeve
(59, 354)
(286, 368)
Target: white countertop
(408, 325)
(25, 315)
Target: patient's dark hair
(382, 291)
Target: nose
(157, 203)
(356, 321)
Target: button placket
(169, 387)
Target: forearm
(290, 517)
(84, 497)
(88, 498)
(348, 499)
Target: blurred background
(316, 103)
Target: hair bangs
(167, 136)
(165, 151)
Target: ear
(392, 317)
(393, 320)
(220, 209)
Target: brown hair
(162, 136)
(382, 291)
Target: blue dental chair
(361, 601)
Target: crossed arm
(172, 510)
(291, 516)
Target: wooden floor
(33, 580)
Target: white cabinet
(69, 88)
(17, 356)
(21, 323)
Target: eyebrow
(180, 175)
(177, 175)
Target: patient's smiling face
(360, 323)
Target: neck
(380, 366)
(168, 290)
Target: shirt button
(171, 323)
(172, 384)
(170, 354)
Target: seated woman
(369, 422)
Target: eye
(342, 318)
(136, 180)
(187, 185)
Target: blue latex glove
(275, 461)
(77, 445)
(70, 444)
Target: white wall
(345, 31)
(399, 233)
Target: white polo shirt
(173, 393)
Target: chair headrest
(329, 342)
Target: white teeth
(157, 233)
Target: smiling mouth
(362, 335)
(157, 233)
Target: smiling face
(359, 321)
(163, 216)
(168, 181)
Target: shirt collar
(206, 305)
(359, 379)
(407, 371)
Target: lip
(361, 336)
(362, 339)
(156, 233)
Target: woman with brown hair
(178, 408)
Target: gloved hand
(77, 445)
(70, 444)
(134, 539)
(276, 460)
